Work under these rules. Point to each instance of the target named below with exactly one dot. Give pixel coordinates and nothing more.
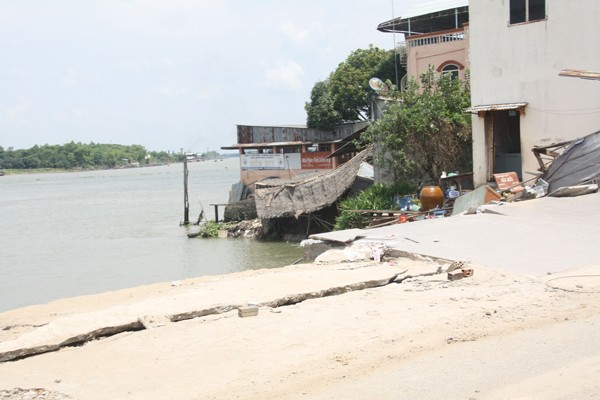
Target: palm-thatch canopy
(307, 194)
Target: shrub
(377, 197)
(209, 230)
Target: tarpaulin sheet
(578, 164)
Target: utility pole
(186, 203)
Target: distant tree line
(83, 156)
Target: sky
(171, 74)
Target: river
(78, 233)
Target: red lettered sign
(315, 160)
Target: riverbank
(524, 325)
(351, 330)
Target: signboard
(316, 160)
(262, 161)
(506, 180)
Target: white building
(517, 50)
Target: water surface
(70, 234)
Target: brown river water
(78, 233)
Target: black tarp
(578, 164)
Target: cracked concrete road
(392, 341)
(196, 299)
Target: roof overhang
(262, 145)
(429, 17)
(482, 109)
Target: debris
(578, 164)
(455, 265)
(455, 275)
(467, 272)
(377, 253)
(247, 311)
(478, 197)
(508, 181)
(572, 191)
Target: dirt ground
(490, 336)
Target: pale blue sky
(171, 74)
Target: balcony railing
(441, 37)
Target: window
(451, 69)
(527, 11)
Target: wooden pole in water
(186, 203)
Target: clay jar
(431, 196)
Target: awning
(429, 17)
(520, 107)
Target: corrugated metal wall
(270, 134)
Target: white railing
(435, 39)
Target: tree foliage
(82, 156)
(345, 95)
(424, 130)
(320, 112)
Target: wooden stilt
(186, 203)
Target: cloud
(168, 62)
(74, 79)
(285, 75)
(291, 31)
(70, 81)
(171, 91)
(22, 106)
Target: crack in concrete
(140, 324)
(74, 341)
(9, 327)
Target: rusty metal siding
(244, 134)
(270, 134)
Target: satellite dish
(378, 85)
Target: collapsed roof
(578, 164)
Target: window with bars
(527, 11)
(451, 69)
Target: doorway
(503, 142)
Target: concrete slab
(533, 237)
(264, 288)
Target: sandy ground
(495, 335)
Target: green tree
(345, 95)
(321, 113)
(424, 130)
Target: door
(503, 137)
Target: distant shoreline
(65, 170)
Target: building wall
(254, 167)
(267, 134)
(421, 57)
(521, 63)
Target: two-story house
(517, 51)
(435, 34)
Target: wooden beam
(578, 73)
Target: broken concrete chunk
(455, 275)
(247, 311)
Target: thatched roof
(310, 194)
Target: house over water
(289, 151)
(292, 170)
